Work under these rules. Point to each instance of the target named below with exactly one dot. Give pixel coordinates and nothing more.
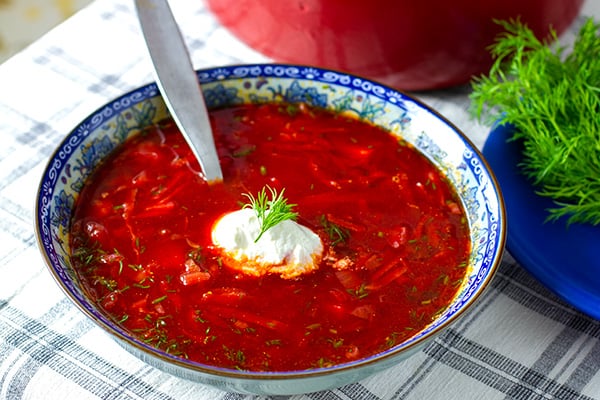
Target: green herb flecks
(155, 334)
(236, 356)
(270, 211)
(553, 101)
(336, 233)
(360, 292)
(159, 299)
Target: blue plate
(565, 259)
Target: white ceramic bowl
(430, 133)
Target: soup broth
(395, 238)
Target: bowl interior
(430, 133)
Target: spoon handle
(178, 82)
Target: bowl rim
(123, 337)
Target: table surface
(519, 341)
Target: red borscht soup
(394, 233)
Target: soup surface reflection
(395, 240)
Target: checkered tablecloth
(518, 342)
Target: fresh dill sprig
(553, 101)
(270, 211)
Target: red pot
(408, 44)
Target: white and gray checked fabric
(518, 342)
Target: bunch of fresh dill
(553, 101)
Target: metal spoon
(178, 83)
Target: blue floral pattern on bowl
(94, 138)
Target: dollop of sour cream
(288, 248)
